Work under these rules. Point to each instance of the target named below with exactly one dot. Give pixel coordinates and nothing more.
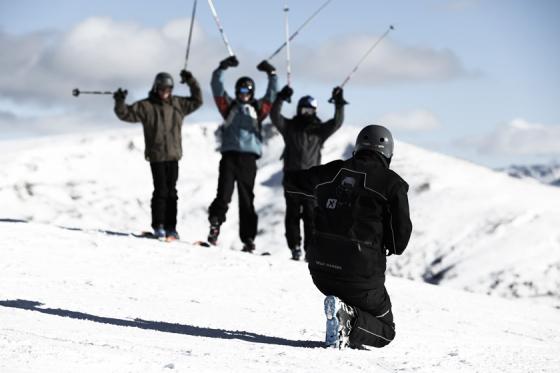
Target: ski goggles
(164, 88)
(308, 110)
(245, 90)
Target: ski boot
(172, 235)
(248, 246)
(296, 253)
(214, 231)
(159, 232)
(340, 320)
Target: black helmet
(162, 80)
(245, 85)
(376, 138)
(307, 102)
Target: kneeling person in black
(361, 216)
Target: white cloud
(519, 137)
(417, 120)
(390, 62)
(98, 53)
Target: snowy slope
(474, 228)
(74, 301)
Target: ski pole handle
(76, 92)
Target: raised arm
(265, 102)
(190, 104)
(221, 97)
(129, 113)
(332, 125)
(276, 112)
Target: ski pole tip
(391, 27)
(75, 92)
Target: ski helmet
(163, 80)
(245, 85)
(307, 102)
(376, 138)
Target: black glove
(231, 61)
(286, 93)
(266, 67)
(185, 76)
(120, 95)
(338, 96)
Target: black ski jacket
(304, 138)
(361, 215)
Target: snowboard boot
(172, 235)
(340, 320)
(248, 246)
(159, 232)
(214, 231)
(296, 253)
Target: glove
(338, 96)
(266, 67)
(286, 93)
(231, 61)
(120, 95)
(185, 76)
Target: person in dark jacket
(161, 115)
(241, 146)
(304, 136)
(361, 216)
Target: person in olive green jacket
(161, 115)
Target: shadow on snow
(195, 331)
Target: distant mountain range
(545, 173)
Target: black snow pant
(164, 198)
(374, 324)
(240, 168)
(298, 208)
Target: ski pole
(288, 57)
(190, 34)
(219, 24)
(299, 29)
(76, 92)
(365, 56)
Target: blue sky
(475, 79)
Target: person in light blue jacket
(241, 146)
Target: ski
(151, 236)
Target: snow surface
(78, 293)
(474, 228)
(75, 301)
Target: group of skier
(355, 212)
(162, 114)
